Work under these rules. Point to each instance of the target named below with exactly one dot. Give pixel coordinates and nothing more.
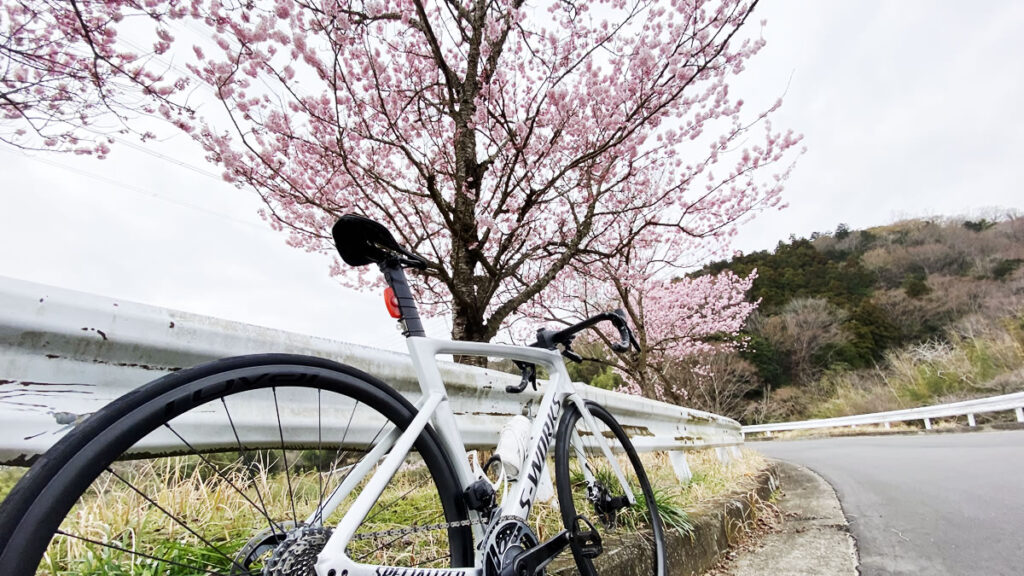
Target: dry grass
(224, 511)
(114, 513)
(9, 476)
(713, 480)
(978, 358)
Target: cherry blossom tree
(69, 82)
(680, 320)
(517, 146)
(681, 323)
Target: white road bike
(286, 465)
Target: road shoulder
(813, 540)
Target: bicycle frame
(433, 408)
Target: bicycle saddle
(361, 241)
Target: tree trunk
(471, 329)
(467, 309)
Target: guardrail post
(927, 423)
(735, 451)
(680, 466)
(888, 425)
(767, 433)
(723, 455)
(1020, 414)
(970, 420)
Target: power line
(170, 159)
(141, 191)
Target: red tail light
(391, 301)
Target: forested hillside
(855, 321)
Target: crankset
(519, 560)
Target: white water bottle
(512, 445)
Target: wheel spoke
(339, 457)
(397, 499)
(201, 569)
(172, 517)
(319, 455)
(274, 526)
(284, 456)
(217, 471)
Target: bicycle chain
(399, 532)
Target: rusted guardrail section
(65, 354)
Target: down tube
(541, 435)
(333, 560)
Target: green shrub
(979, 225)
(916, 285)
(1006, 267)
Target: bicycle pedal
(587, 542)
(591, 552)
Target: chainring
(507, 538)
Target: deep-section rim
(56, 480)
(564, 487)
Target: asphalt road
(929, 504)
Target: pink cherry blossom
(525, 150)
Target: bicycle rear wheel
(225, 469)
(588, 488)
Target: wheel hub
(287, 549)
(259, 547)
(606, 506)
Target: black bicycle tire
(34, 509)
(564, 489)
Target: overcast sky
(907, 109)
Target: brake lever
(572, 356)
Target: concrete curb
(815, 538)
(715, 532)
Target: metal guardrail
(1003, 403)
(65, 354)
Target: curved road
(929, 504)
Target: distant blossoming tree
(517, 146)
(681, 321)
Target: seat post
(394, 275)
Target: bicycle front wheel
(232, 468)
(590, 495)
